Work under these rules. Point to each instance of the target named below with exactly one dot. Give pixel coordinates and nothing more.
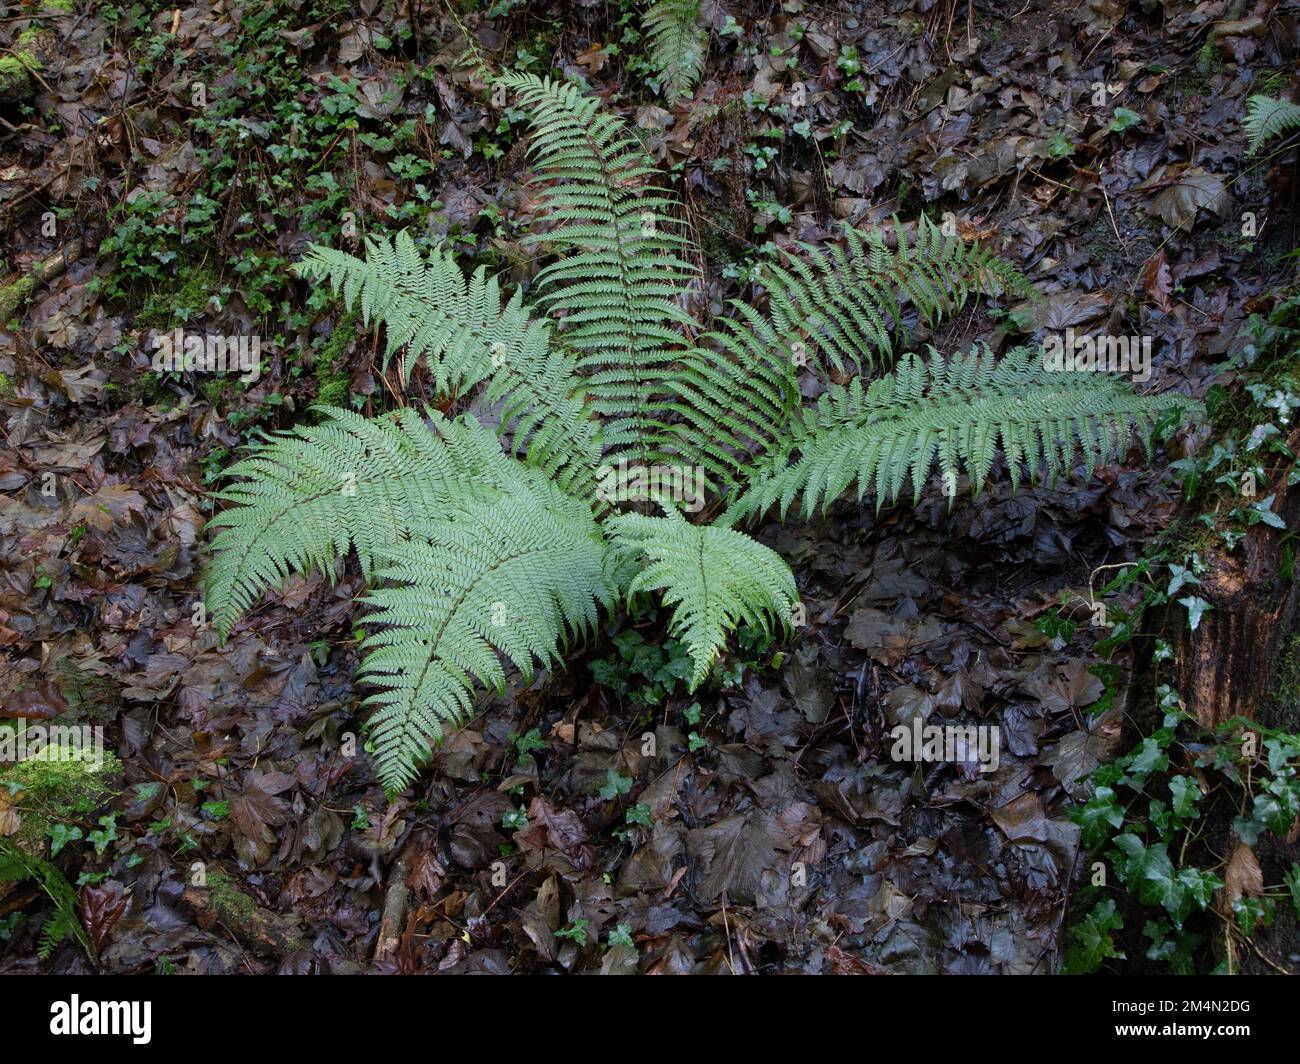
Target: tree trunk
(1229, 666)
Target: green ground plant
(496, 541)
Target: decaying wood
(1229, 666)
(264, 932)
(396, 899)
(17, 289)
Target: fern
(737, 396)
(513, 575)
(1267, 118)
(734, 399)
(465, 334)
(957, 411)
(621, 278)
(484, 551)
(677, 45)
(16, 864)
(714, 579)
(847, 304)
(311, 495)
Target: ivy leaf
(1262, 511)
(577, 931)
(1292, 880)
(1099, 811)
(1196, 609)
(60, 836)
(1175, 949)
(1148, 758)
(1124, 119)
(1092, 939)
(615, 785)
(1181, 578)
(1185, 795)
(1250, 911)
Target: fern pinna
(1268, 117)
(678, 44)
(492, 544)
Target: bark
(1229, 666)
(1232, 666)
(17, 290)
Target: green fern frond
(17, 864)
(677, 45)
(308, 496)
(1267, 118)
(620, 282)
(713, 579)
(957, 411)
(737, 396)
(464, 333)
(847, 303)
(518, 575)
(476, 561)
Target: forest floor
(168, 166)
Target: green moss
(231, 903)
(6, 386)
(1287, 693)
(334, 387)
(21, 59)
(47, 791)
(15, 295)
(177, 303)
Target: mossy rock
(14, 295)
(33, 48)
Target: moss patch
(334, 386)
(230, 903)
(14, 295)
(22, 58)
(178, 303)
(44, 791)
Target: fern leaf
(714, 579)
(846, 303)
(308, 496)
(518, 576)
(621, 279)
(677, 44)
(17, 864)
(1267, 118)
(737, 396)
(464, 333)
(733, 399)
(957, 411)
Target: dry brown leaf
(1243, 875)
